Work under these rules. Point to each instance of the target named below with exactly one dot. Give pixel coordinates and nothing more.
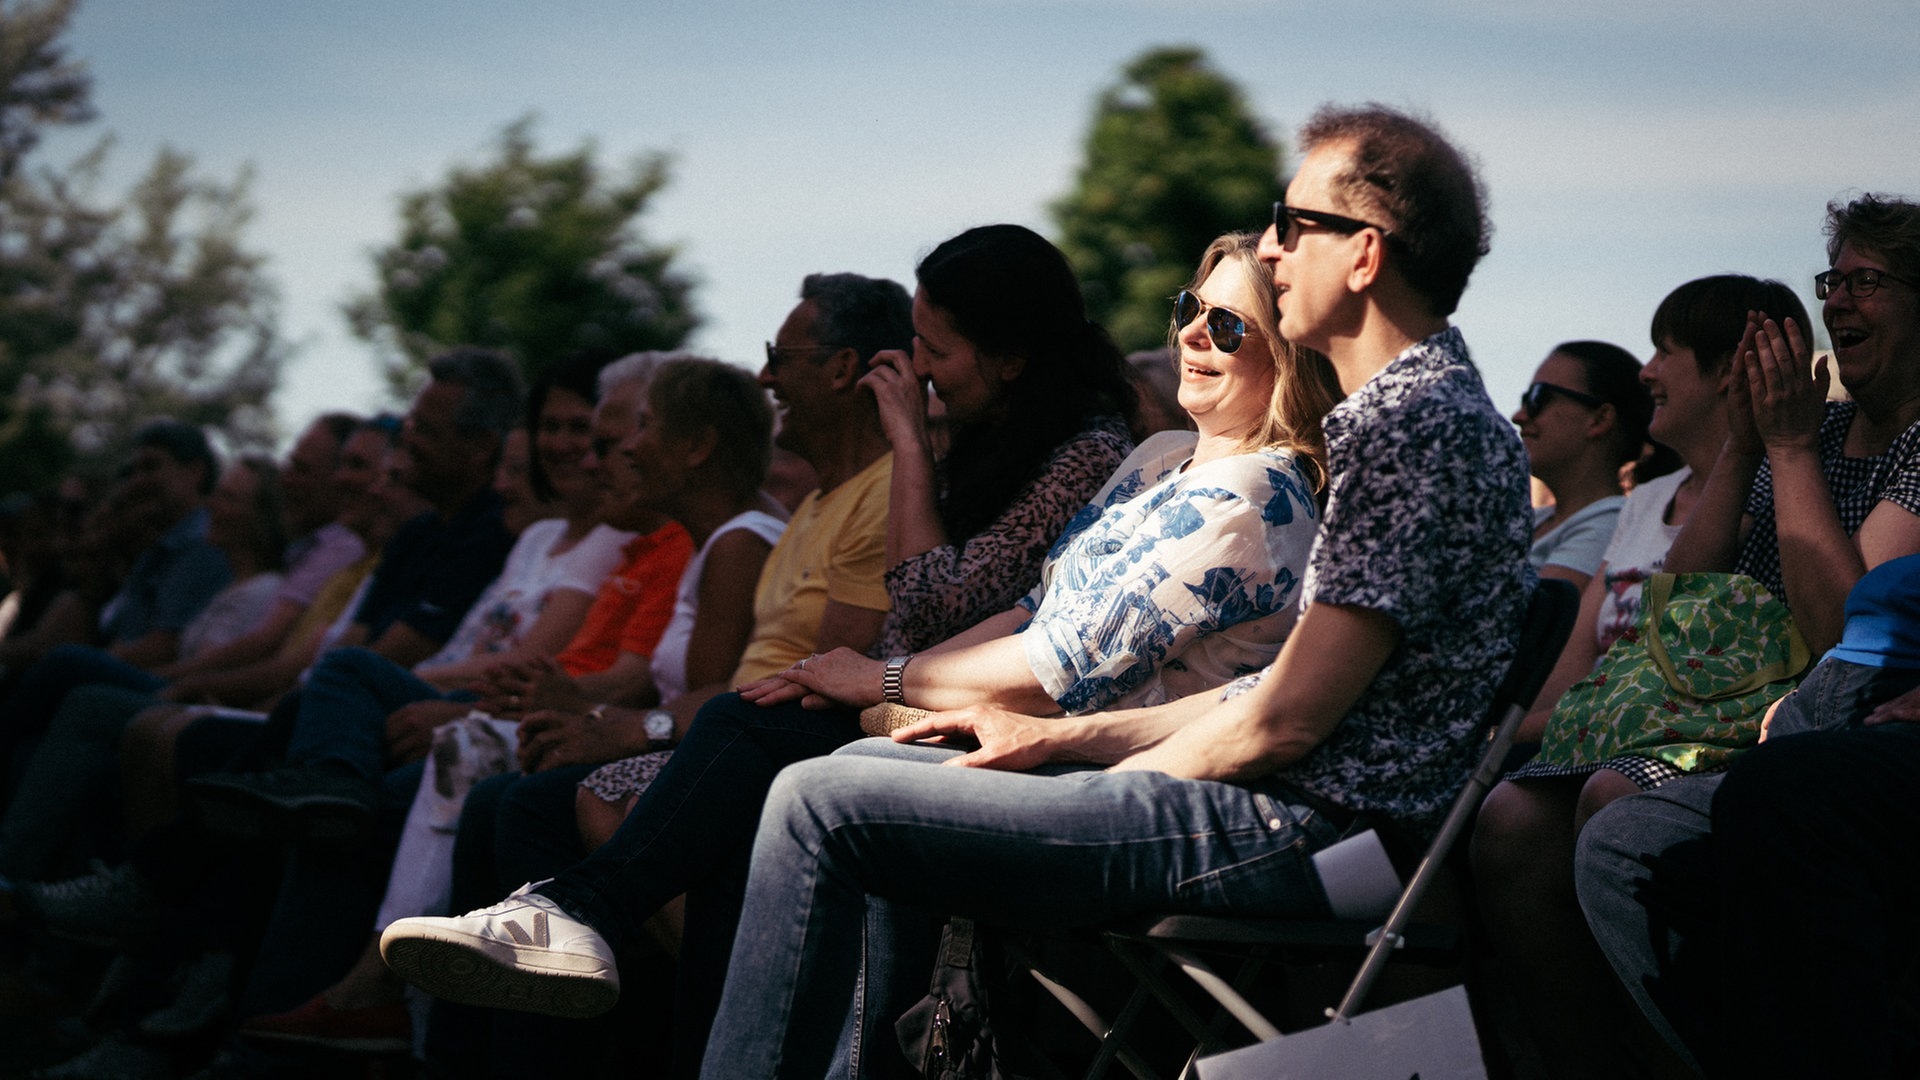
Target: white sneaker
(522, 953)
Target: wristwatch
(659, 728)
(891, 680)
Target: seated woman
(1582, 419)
(1188, 569)
(1846, 479)
(699, 453)
(354, 698)
(1526, 900)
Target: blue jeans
(1010, 848)
(30, 707)
(75, 769)
(1763, 920)
(344, 709)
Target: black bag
(951, 1034)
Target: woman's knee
(1519, 823)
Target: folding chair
(1147, 946)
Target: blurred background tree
(113, 311)
(1174, 158)
(535, 256)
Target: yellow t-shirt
(835, 548)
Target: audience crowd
(709, 699)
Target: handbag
(1688, 684)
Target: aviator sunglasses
(1224, 327)
(1536, 397)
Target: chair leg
(1112, 1037)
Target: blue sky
(1627, 146)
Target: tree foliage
(113, 312)
(1174, 158)
(536, 256)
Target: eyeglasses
(1860, 282)
(777, 354)
(1536, 397)
(1285, 217)
(1225, 327)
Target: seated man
(1414, 594)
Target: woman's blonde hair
(1304, 384)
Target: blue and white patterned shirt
(1428, 522)
(1175, 580)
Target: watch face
(659, 725)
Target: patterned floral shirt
(1177, 580)
(938, 593)
(1857, 485)
(1428, 522)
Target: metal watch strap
(891, 679)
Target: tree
(115, 312)
(536, 256)
(1174, 159)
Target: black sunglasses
(1225, 327)
(1536, 397)
(777, 354)
(1285, 217)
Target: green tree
(536, 256)
(115, 311)
(1174, 159)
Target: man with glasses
(1761, 918)
(1213, 803)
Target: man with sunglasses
(1215, 801)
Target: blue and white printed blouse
(1174, 579)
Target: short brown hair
(1405, 175)
(691, 394)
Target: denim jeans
(30, 707)
(1010, 848)
(1764, 919)
(344, 708)
(73, 771)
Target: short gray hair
(634, 367)
(858, 312)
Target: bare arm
(723, 619)
(404, 645)
(1567, 573)
(1576, 661)
(913, 512)
(845, 626)
(1326, 664)
(560, 617)
(257, 644)
(1717, 523)
(150, 650)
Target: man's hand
(1906, 708)
(1008, 740)
(519, 687)
(410, 727)
(552, 738)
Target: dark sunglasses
(1225, 327)
(1285, 217)
(1536, 397)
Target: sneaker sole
(369, 1044)
(470, 970)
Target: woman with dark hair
(1523, 840)
(1179, 575)
(1584, 417)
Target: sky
(1626, 145)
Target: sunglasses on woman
(1536, 397)
(1226, 328)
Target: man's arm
(1328, 661)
